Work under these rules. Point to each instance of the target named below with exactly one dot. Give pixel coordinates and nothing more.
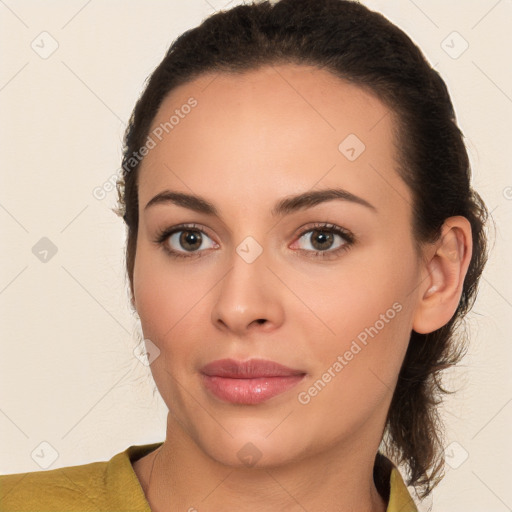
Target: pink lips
(248, 382)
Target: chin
(251, 449)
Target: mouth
(248, 382)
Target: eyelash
(162, 236)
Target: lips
(253, 368)
(248, 382)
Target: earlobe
(446, 268)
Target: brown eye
(190, 240)
(324, 239)
(321, 240)
(184, 241)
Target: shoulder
(400, 499)
(391, 486)
(55, 489)
(97, 486)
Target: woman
(302, 241)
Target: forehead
(271, 132)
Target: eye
(184, 241)
(322, 237)
(190, 241)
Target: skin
(252, 140)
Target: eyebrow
(283, 207)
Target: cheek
(168, 298)
(366, 313)
(156, 298)
(362, 290)
(165, 304)
(354, 370)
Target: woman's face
(255, 274)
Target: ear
(443, 276)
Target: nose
(248, 298)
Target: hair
(366, 49)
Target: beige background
(69, 376)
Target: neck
(183, 477)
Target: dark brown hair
(363, 47)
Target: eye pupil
(189, 238)
(325, 238)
